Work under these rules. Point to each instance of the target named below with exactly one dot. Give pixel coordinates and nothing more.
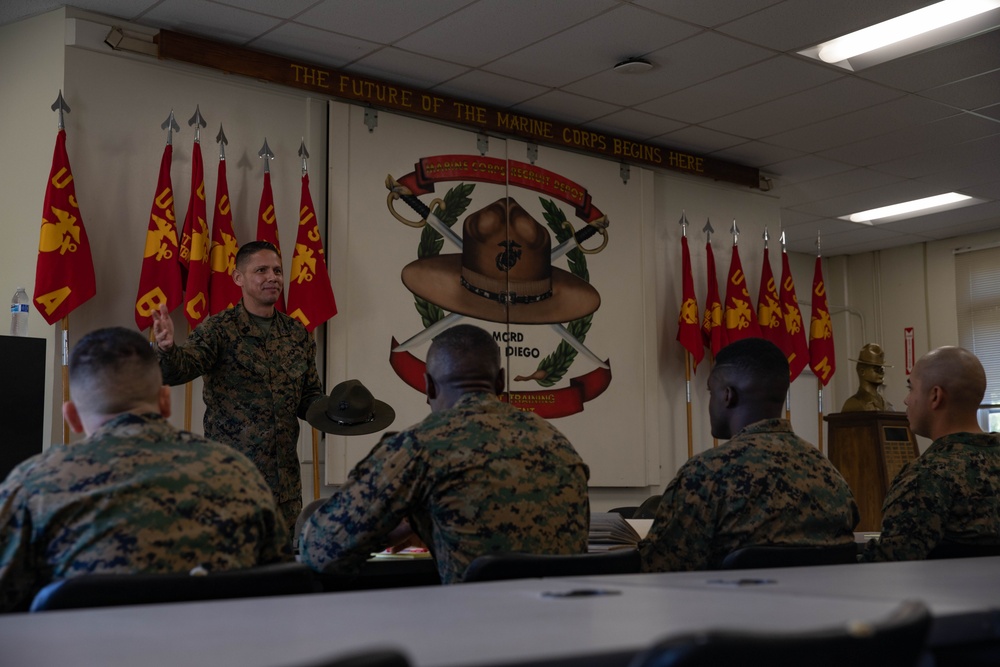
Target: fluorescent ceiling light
(912, 209)
(924, 28)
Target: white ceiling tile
(381, 21)
(966, 163)
(880, 119)
(937, 67)
(490, 29)
(692, 138)
(395, 65)
(706, 13)
(491, 89)
(284, 9)
(835, 98)
(635, 124)
(226, 24)
(583, 49)
(824, 187)
(726, 94)
(805, 168)
(568, 108)
(314, 46)
(757, 154)
(970, 93)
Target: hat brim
(438, 280)
(317, 417)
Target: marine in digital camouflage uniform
(951, 493)
(136, 495)
(765, 486)
(477, 476)
(259, 376)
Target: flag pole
(708, 229)
(64, 323)
(198, 122)
(819, 382)
(687, 364)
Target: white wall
(27, 134)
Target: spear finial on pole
(266, 154)
(782, 240)
(171, 126)
(708, 229)
(304, 154)
(735, 232)
(818, 253)
(61, 106)
(220, 138)
(683, 222)
(766, 237)
(199, 122)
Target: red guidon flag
(267, 226)
(688, 331)
(195, 245)
(712, 331)
(310, 294)
(821, 357)
(797, 349)
(740, 319)
(772, 327)
(160, 281)
(64, 272)
(222, 289)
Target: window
(977, 287)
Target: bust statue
(871, 370)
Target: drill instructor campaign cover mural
(548, 257)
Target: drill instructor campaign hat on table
(350, 409)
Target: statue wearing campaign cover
(477, 476)
(871, 372)
(135, 496)
(951, 493)
(259, 368)
(766, 486)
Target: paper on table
(409, 553)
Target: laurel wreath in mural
(553, 367)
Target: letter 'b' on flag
(64, 272)
(310, 294)
(160, 281)
(688, 329)
(821, 357)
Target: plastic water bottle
(19, 313)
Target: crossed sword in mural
(399, 191)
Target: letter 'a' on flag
(797, 350)
(64, 272)
(195, 245)
(267, 227)
(310, 294)
(712, 331)
(821, 357)
(223, 292)
(160, 282)
(688, 329)
(772, 327)
(739, 316)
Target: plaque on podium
(869, 449)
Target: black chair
(112, 590)
(647, 510)
(497, 567)
(373, 658)
(760, 556)
(948, 549)
(897, 641)
(626, 512)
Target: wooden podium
(869, 449)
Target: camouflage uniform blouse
(765, 486)
(951, 492)
(136, 496)
(255, 390)
(481, 477)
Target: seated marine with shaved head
(136, 495)
(765, 486)
(951, 493)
